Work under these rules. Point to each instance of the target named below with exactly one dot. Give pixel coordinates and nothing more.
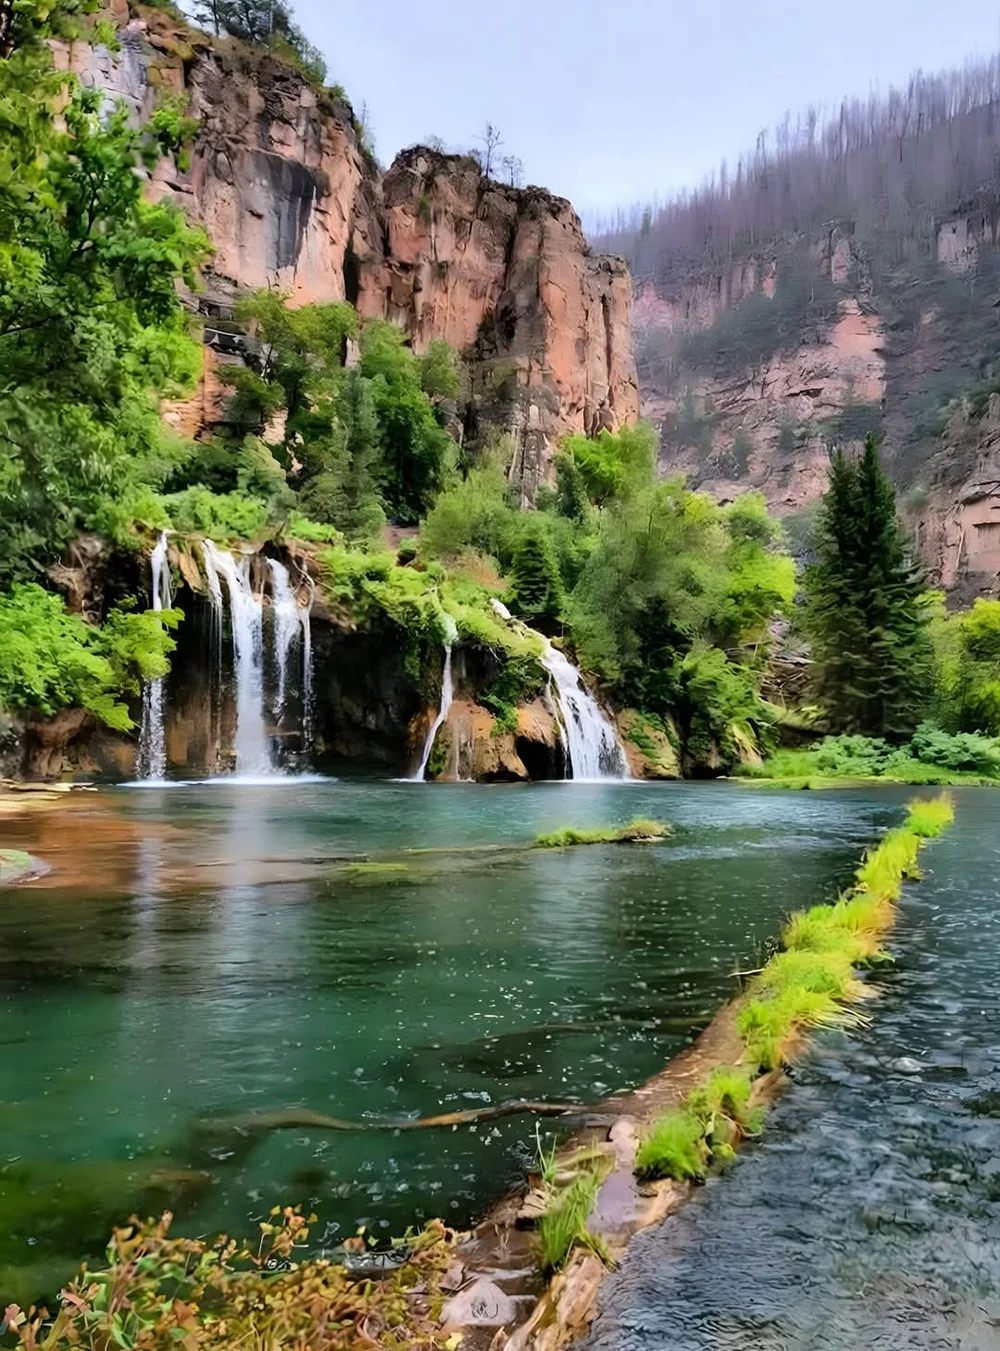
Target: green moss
(638, 831)
(379, 874)
(440, 752)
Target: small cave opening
(352, 277)
(541, 761)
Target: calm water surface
(200, 953)
(869, 1218)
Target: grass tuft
(930, 817)
(810, 983)
(564, 1224)
(674, 1147)
(640, 830)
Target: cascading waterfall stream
(152, 760)
(288, 626)
(305, 612)
(447, 695)
(246, 612)
(594, 749)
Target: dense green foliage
(666, 597)
(968, 654)
(357, 444)
(91, 327)
(931, 756)
(50, 659)
(867, 616)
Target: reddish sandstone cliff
(291, 200)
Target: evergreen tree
(536, 588)
(865, 613)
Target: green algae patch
(17, 866)
(380, 874)
(637, 831)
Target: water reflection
(201, 953)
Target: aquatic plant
(373, 873)
(640, 830)
(564, 1223)
(930, 817)
(158, 1291)
(703, 1131)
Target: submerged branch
(299, 1118)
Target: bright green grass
(564, 1224)
(811, 983)
(638, 831)
(674, 1147)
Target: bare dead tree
(892, 163)
(513, 170)
(491, 141)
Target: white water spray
(594, 750)
(287, 628)
(447, 695)
(152, 761)
(246, 614)
(307, 671)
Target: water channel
(869, 1216)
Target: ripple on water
(869, 1217)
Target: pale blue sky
(606, 103)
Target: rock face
(290, 199)
(901, 353)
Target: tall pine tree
(865, 614)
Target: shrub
(220, 516)
(969, 751)
(50, 659)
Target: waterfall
(307, 672)
(594, 750)
(287, 627)
(447, 695)
(152, 761)
(246, 613)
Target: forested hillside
(842, 277)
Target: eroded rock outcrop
(901, 352)
(291, 199)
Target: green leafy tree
(263, 23)
(91, 326)
(866, 612)
(418, 455)
(613, 463)
(967, 647)
(345, 494)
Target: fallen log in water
(303, 1118)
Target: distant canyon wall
(902, 352)
(291, 200)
